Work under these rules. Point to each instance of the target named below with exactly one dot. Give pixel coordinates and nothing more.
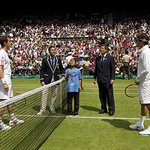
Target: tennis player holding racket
(143, 81)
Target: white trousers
(45, 97)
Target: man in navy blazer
(105, 75)
(51, 70)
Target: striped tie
(53, 62)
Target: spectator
(126, 59)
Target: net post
(60, 92)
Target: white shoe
(145, 132)
(137, 126)
(40, 112)
(4, 127)
(15, 121)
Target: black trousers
(70, 97)
(106, 96)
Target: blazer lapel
(103, 59)
(50, 65)
(99, 63)
(56, 62)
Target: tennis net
(36, 128)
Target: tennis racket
(131, 90)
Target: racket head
(131, 90)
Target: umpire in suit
(51, 70)
(104, 73)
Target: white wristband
(3, 81)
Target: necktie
(53, 62)
(101, 62)
(102, 58)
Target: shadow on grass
(37, 107)
(90, 108)
(118, 123)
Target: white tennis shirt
(143, 75)
(143, 72)
(5, 61)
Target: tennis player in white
(6, 91)
(143, 81)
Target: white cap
(68, 58)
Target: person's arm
(42, 73)
(80, 85)
(2, 62)
(146, 67)
(112, 70)
(80, 79)
(61, 68)
(1, 72)
(67, 74)
(5, 85)
(95, 72)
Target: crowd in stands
(31, 36)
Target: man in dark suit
(51, 70)
(104, 73)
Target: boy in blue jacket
(73, 80)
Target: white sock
(142, 119)
(12, 116)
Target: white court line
(111, 118)
(84, 117)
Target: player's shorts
(144, 92)
(6, 94)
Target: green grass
(95, 133)
(36, 128)
(21, 85)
